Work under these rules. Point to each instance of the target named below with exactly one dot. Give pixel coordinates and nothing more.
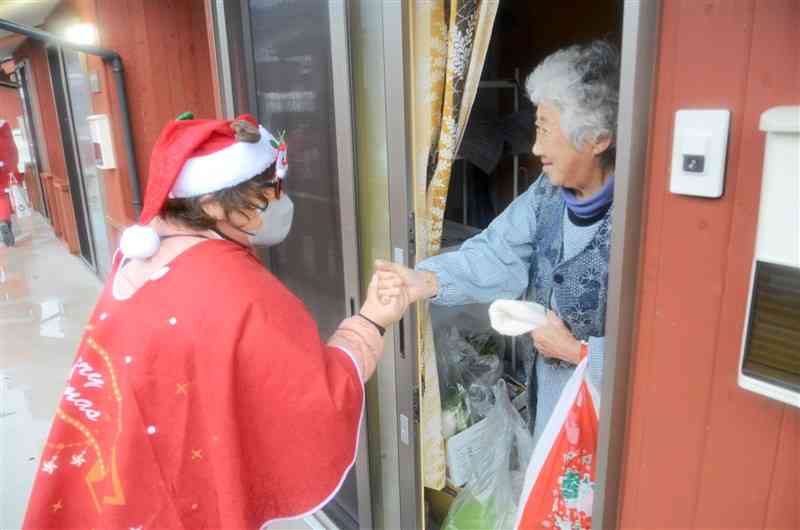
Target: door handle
(402, 332)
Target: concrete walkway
(46, 295)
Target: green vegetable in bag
(455, 417)
(472, 514)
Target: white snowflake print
(461, 43)
(50, 466)
(79, 459)
(437, 59)
(439, 212)
(437, 44)
(447, 147)
(137, 527)
(585, 497)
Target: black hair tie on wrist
(381, 329)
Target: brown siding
(10, 106)
(164, 47)
(40, 69)
(165, 53)
(701, 452)
(62, 215)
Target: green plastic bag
(489, 498)
(472, 514)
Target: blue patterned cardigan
(532, 249)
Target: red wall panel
(40, 73)
(165, 54)
(701, 452)
(10, 105)
(164, 47)
(53, 164)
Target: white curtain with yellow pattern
(450, 40)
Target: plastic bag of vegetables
(467, 361)
(489, 498)
(466, 357)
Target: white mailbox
(770, 355)
(100, 131)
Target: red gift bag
(559, 482)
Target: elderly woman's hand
(555, 340)
(419, 284)
(385, 305)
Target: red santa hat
(195, 157)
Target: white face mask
(276, 221)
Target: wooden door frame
(637, 75)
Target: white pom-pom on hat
(139, 242)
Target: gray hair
(582, 82)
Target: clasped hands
(394, 287)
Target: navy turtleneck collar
(590, 208)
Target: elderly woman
(553, 241)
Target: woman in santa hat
(201, 395)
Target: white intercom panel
(699, 149)
(100, 131)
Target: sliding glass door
(31, 133)
(72, 94)
(292, 60)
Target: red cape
(206, 400)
